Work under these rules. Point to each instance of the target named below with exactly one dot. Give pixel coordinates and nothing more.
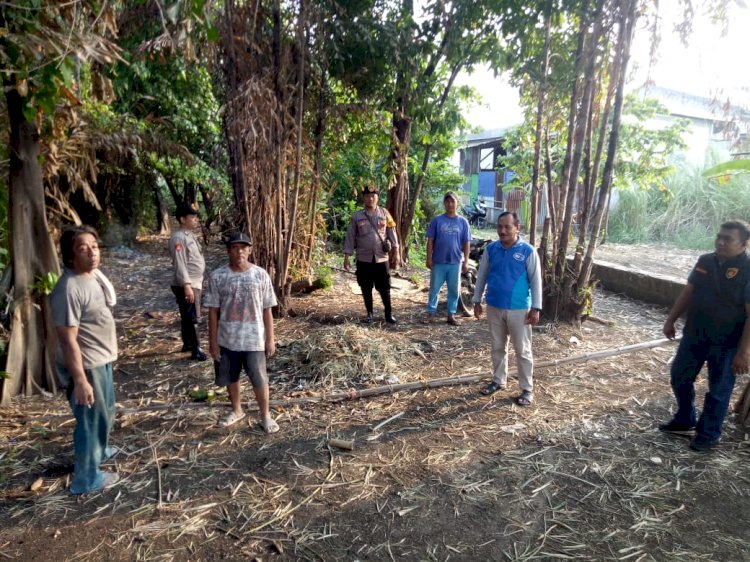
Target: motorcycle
(476, 214)
(469, 279)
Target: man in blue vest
(510, 271)
(717, 301)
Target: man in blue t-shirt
(717, 332)
(510, 271)
(448, 239)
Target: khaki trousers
(511, 324)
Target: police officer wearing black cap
(187, 279)
(372, 234)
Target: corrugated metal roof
(683, 104)
(485, 137)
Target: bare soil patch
(435, 474)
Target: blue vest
(507, 277)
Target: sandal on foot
(232, 419)
(492, 388)
(526, 398)
(269, 425)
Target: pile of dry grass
(338, 356)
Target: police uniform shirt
(367, 241)
(720, 292)
(187, 259)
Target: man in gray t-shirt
(239, 298)
(87, 347)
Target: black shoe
(199, 356)
(703, 445)
(677, 428)
(390, 320)
(367, 319)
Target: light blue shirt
(449, 234)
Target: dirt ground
(434, 474)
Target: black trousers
(376, 275)
(189, 314)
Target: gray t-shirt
(79, 301)
(241, 298)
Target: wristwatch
(537, 309)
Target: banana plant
(729, 168)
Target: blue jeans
(691, 355)
(450, 274)
(92, 428)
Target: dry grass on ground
(435, 474)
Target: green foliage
(440, 177)
(337, 220)
(644, 151)
(39, 43)
(324, 279)
(686, 212)
(720, 171)
(44, 284)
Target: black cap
(370, 188)
(184, 209)
(238, 238)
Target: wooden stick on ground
(743, 407)
(355, 394)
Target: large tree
(40, 47)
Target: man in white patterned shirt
(239, 299)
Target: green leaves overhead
(43, 41)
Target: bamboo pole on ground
(355, 394)
(743, 407)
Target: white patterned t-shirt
(241, 297)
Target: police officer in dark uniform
(372, 234)
(187, 280)
(717, 301)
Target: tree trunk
(564, 182)
(320, 127)
(162, 213)
(32, 343)
(581, 123)
(234, 137)
(414, 196)
(278, 131)
(290, 232)
(538, 131)
(629, 15)
(208, 207)
(398, 190)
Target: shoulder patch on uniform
(178, 247)
(732, 272)
(700, 270)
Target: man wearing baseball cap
(372, 235)
(239, 298)
(187, 278)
